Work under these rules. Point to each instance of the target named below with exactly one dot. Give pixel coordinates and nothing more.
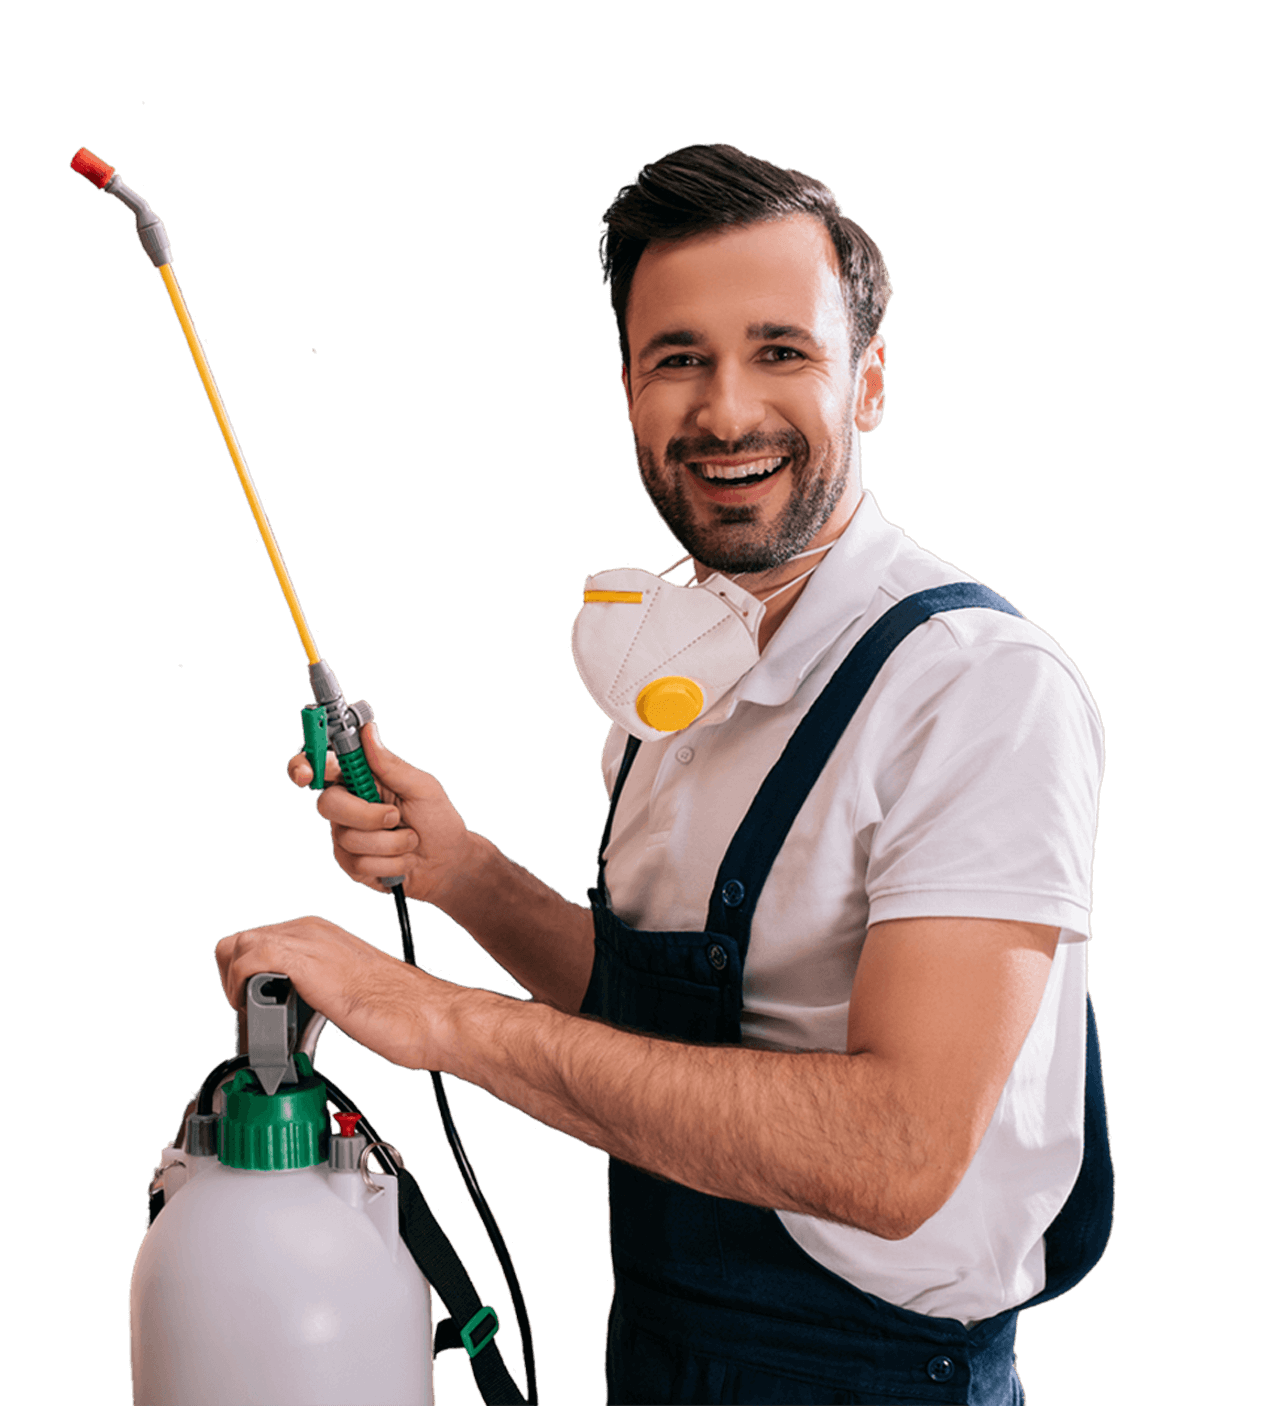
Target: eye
(690, 361)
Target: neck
(785, 584)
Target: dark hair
(701, 188)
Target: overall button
(684, 754)
(733, 893)
(941, 1369)
(717, 956)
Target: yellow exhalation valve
(669, 704)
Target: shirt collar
(837, 594)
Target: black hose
(470, 1180)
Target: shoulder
(980, 681)
(998, 665)
(958, 649)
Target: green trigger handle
(329, 723)
(315, 745)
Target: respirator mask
(656, 656)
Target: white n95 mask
(655, 656)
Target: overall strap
(1074, 1242)
(753, 849)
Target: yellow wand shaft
(250, 492)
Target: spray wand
(332, 723)
(329, 722)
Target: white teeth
(748, 470)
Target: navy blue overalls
(714, 1301)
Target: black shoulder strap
(628, 756)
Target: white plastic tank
(277, 1288)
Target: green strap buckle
(485, 1317)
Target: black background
(419, 360)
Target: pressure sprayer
(278, 1269)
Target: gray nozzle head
(150, 230)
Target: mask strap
(799, 556)
(804, 576)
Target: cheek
(651, 445)
(822, 416)
(656, 416)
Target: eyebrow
(756, 332)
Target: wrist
(459, 1044)
(461, 876)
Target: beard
(737, 539)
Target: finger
(223, 954)
(301, 774)
(387, 843)
(340, 807)
(394, 772)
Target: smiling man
(827, 1009)
(879, 842)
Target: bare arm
(543, 940)
(878, 1137)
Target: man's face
(743, 401)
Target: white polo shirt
(966, 786)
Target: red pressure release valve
(347, 1122)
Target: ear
(868, 395)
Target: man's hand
(430, 843)
(395, 1010)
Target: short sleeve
(987, 787)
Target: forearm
(823, 1133)
(543, 940)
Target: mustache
(684, 449)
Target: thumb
(373, 741)
(394, 772)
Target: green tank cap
(277, 1132)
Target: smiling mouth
(738, 475)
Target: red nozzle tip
(347, 1122)
(92, 168)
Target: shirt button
(685, 755)
(717, 956)
(733, 893)
(941, 1369)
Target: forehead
(781, 271)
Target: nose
(731, 405)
